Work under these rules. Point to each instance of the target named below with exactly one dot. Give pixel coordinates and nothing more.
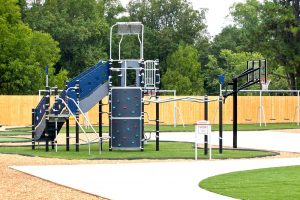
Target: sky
(216, 14)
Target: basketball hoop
(265, 83)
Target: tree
(230, 38)
(79, 26)
(234, 64)
(168, 23)
(24, 53)
(183, 73)
(112, 9)
(272, 28)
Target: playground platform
(168, 179)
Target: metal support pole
(67, 134)
(142, 84)
(175, 120)
(298, 92)
(157, 120)
(47, 144)
(220, 125)
(260, 108)
(32, 129)
(100, 124)
(47, 80)
(110, 121)
(109, 106)
(235, 92)
(67, 122)
(56, 118)
(205, 118)
(77, 115)
(47, 117)
(52, 144)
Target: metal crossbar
(192, 99)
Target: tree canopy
(168, 23)
(79, 26)
(272, 28)
(72, 35)
(24, 53)
(183, 73)
(269, 29)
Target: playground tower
(130, 80)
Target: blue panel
(40, 110)
(126, 102)
(126, 133)
(88, 82)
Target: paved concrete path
(167, 180)
(135, 181)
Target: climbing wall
(126, 118)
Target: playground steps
(51, 130)
(60, 117)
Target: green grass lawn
(165, 128)
(168, 150)
(4, 139)
(270, 183)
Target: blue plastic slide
(93, 84)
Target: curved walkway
(165, 180)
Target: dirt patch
(15, 185)
(18, 185)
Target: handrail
(85, 117)
(63, 101)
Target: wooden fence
(16, 110)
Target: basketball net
(265, 83)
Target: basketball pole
(234, 128)
(206, 119)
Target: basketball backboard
(258, 68)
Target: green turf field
(168, 150)
(179, 128)
(5, 139)
(260, 184)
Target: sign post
(202, 128)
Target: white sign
(202, 128)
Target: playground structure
(124, 81)
(127, 83)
